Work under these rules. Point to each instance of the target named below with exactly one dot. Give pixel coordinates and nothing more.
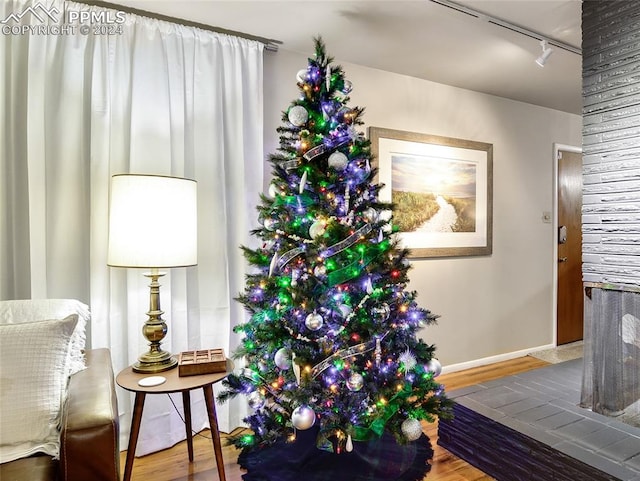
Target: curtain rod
(510, 26)
(269, 43)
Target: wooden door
(569, 238)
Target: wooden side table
(127, 379)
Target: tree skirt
(377, 460)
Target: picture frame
(441, 188)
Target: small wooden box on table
(206, 361)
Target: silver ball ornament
(371, 214)
(317, 229)
(303, 417)
(347, 87)
(314, 321)
(381, 313)
(298, 115)
(273, 191)
(301, 76)
(355, 382)
(256, 400)
(434, 366)
(270, 224)
(282, 358)
(338, 161)
(320, 271)
(411, 429)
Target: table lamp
(153, 224)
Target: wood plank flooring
(173, 464)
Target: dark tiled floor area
(543, 405)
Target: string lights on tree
(331, 343)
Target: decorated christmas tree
(331, 342)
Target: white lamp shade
(152, 221)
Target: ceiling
(421, 38)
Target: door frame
(554, 262)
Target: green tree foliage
(331, 339)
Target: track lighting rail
(508, 25)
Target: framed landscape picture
(441, 188)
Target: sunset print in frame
(441, 188)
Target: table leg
(186, 404)
(133, 434)
(215, 433)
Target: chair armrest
(89, 438)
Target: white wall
(491, 307)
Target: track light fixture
(477, 14)
(546, 53)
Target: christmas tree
(331, 341)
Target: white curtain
(156, 98)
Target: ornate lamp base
(148, 366)
(154, 330)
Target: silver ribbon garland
(315, 152)
(353, 351)
(318, 150)
(346, 243)
(288, 256)
(344, 354)
(290, 164)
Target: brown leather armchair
(89, 437)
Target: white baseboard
(492, 359)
